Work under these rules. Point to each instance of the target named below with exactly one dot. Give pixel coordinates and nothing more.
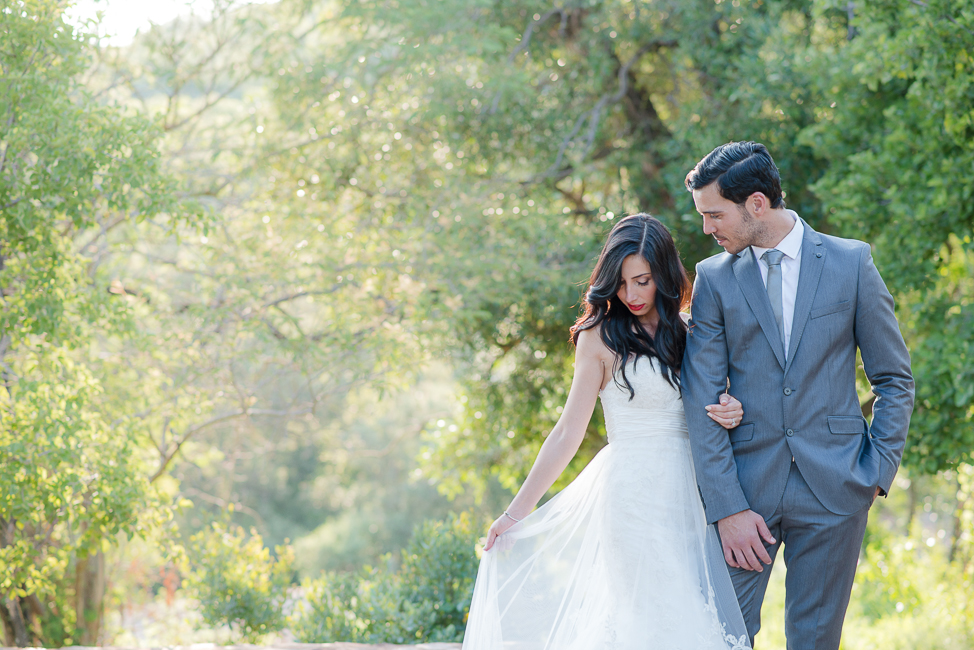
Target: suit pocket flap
(741, 433)
(847, 424)
(830, 309)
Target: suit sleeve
(886, 362)
(703, 379)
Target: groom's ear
(758, 204)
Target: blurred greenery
(912, 590)
(71, 462)
(236, 581)
(425, 599)
(316, 260)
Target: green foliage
(886, 578)
(897, 137)
(73, 471)
(237, 582)
(912, 588)
(67, 163)
(937, 321)
(908, 596)
(567, 117)
(71, 480)
(426, 600)
(384, 187)
(257, 334)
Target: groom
(780, 316)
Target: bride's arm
(565, 438)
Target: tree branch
(6, 145)
(301, 294)
(192, 431)
(920, 3)
(526, 37)
(522, 46)
(210, 103)
(168, 456)
(103, 228)
(237, 506)
(594, 114)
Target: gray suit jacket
(805, 406)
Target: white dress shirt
(791, 246)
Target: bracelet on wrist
(511, 517)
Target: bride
(622, 558)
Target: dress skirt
(621, 559)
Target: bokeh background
(285, 287)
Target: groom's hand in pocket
(743, 536)
(879, 492)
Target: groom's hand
(741, 536)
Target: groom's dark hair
(740, 169)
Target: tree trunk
(911, 510)
(21, 638)
(90, 597)
(8, 627)
(963, 497)
(37, 615)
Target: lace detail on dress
(611, 639)
(740, 642)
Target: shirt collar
(791, 245)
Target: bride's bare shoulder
(590, 344)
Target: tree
(286, 304)
(69, 167)
(520, 137)
(898, 137)
(385, 184)
(558, 114)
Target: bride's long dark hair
(638, 234)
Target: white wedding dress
(622, 558)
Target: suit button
(789, 432)
(787, 391)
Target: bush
(426, 600)
(237, 582)
(909, 596)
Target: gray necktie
(773, 258)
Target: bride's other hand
(500, 526)
(728, 413)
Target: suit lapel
(749, 277)
(813, 260)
